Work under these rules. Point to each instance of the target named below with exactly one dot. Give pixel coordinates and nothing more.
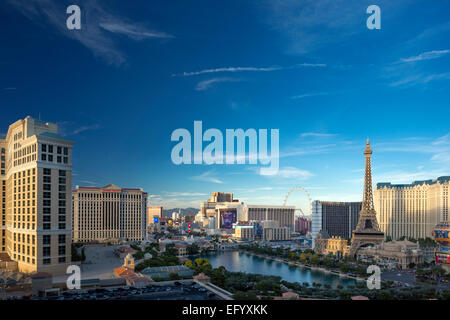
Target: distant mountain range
(183, 211)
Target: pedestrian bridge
(221, 293)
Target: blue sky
(138, 70)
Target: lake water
(243, 262)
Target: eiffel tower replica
(367, 230)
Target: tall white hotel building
(412, 210)
(35, 202)
(109, 214)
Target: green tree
(438, 272)
(446, 295)
(265, 285)
(344, 295)
(328, 262)
(249, 295)
(135, 247)
(302, 257)
(279, 252)
(384, 295)
(171, 250)
(138, 255)
(75, 255)
(315, 259)
(202, 265)
(192, 249)
(292, 255)
(174, 276)
(218, 276)
(344, 267)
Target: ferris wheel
(307, 196)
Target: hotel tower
(412, 210)
(36, 179)
(109, 214)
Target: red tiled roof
(130, 275)
(359, 298)
(123, 271)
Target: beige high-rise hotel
(412, 210)
(109, 214)
(154, 212)
(36, 179)
(284, 215)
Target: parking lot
(408, 278)
(175, 291)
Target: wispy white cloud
(250, 69)
(97, 25)
(208, 176)
(418, 79)
(317, 134)
(133, 31)
(429, 33)
(408, 72)
(85, 128)
(207, 84)
(429, 55)
(289, 173)
(69, 128)
(185, 194)
(438, 148)
(307, 95)
(443, 157)
(88, 182)
(444, 140)
(310, 150)
(309, 25)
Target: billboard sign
(258, 231)
(227, 218)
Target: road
(171, 295)
(400, 276)
(408, 278)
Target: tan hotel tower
(412, 210)
(109, 214)
(36, 179)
